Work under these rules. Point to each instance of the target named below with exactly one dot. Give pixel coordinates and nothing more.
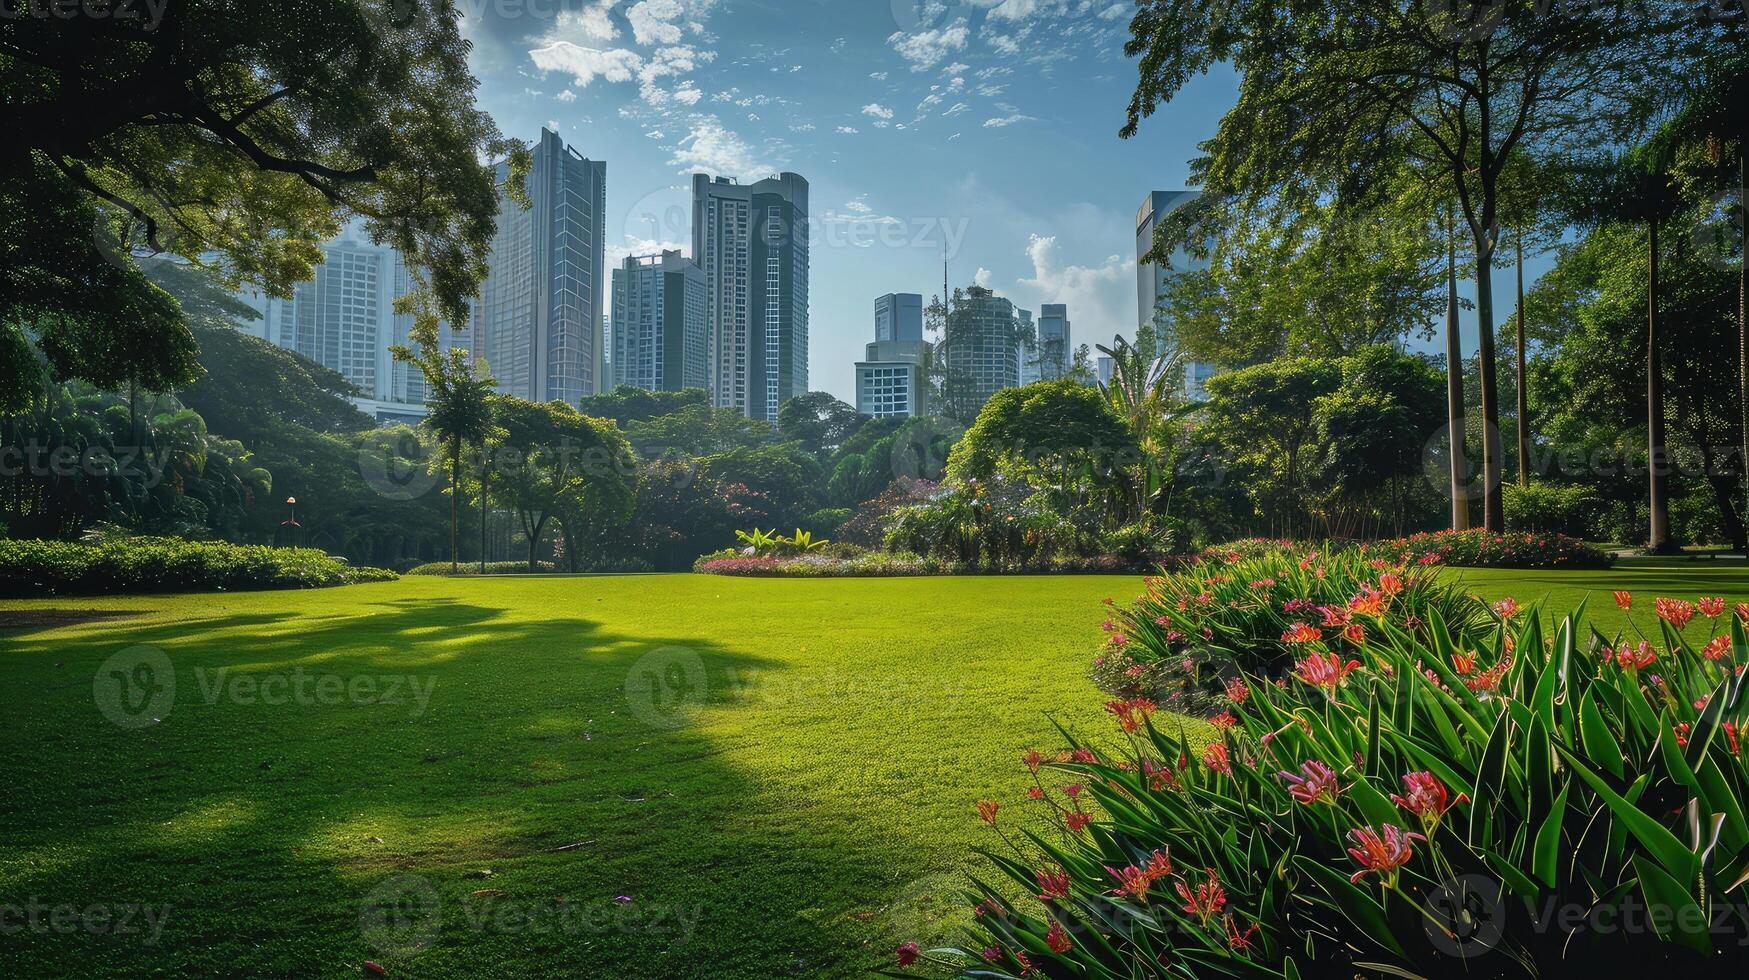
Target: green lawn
(779, 775)
(792, 796)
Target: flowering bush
(1488, 549)
(1480, 801)
(850, 562)
(1190, 632)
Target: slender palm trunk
(455, 479)
(483, 510)
(1656, 468)
(1454, 394)
(1743, 309)
(1493, 514)
(1523, 396)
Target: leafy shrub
(848, 561)
(999, 522)
(1487, 549)
(1191, 631)
(1150, 540)
(39, 568)
(868, 526)
(1549, 508)
(1474, 802)
(473, 568)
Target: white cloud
(587, 64)
(982, 277)
(998, 122)
(712, 148)
(925, 49)
(613, 255)
(847, 130)
(956, 109)
(859, 205)
(568, 95)
(877, 110)
(1010, 9)
(553, 124)
(587, 27)
(1114, 12)
(879, 76)
(1101, 298)
(1004, 44)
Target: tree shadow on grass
(505, 796)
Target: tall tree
(458, 401)
(247, 130)
(550, 461)
(1339, 94)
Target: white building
(659, 335)
(889, 379)
(751, 240)
(1152, 280)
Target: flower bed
(884, 563)
(1478, 800)
(43, 568)
(1189, 633)
(1489, 549)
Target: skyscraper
(983, 344)
(541, 304)
(751, 240)
(899, 316)
(1152, 280)
(1053, 354)
(889, 380)
(659, 333)
(1026, 346)
(344, 319)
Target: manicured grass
(792, 794)
(1647, 578)
(778, 774)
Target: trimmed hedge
(1487, 549)
(45, 568)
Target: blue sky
(989, 126)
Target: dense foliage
(37, 568)
(1191, 633)
(1485, 549)
(1459, 800)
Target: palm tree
(1456, 424)
(1146, 392)
(1637, 187)
(459, 409)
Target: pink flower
(1718, 648)
(1053, 883)
(1237, 690)
(1676, 612)
(1506, 608)
(1057, 939)
(1630, 657)
(1215, 756)
(1316, 783)
(1131, 881)
(1712, 608)
(907, 953)
(1206, 900)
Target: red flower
(1131, 881)
(1159, 864)
(1057, 939)
(1677, 612)
(907, 953)
(1712, 608)
(1033, 760)
(987, 811)
(1215, 757)
(1316, 783)
(1077, 821)
(1718, 648)
(1630, 657)
(1335, 617)
(1206, 901)
(1052, 883)
(1391, 583)
(1463, 663)
(1238, 940)
(1369, 603)
(1426, 797)
(1382, 851)
(1131, 714)
(1743, 611)
(1301, 633)
(1325, 670)
(1237, 690)
(1224, 720)
(1355, 634)
(1624, 600)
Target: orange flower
(1131, 714)
(1369, 603)
(1624, 600)
(1301, 633)
(1355, 634)
(1463, 663)
(987, 811)
(1325, 670)
(1215, 756)
(1391, 583)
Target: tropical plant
(1494, 800)
(1478, 548)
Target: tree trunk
(455, 479)
(1454, 394)
(1658, 541)
(1523, 397)
(483, 511)
(1493, 514)
(1743, 309)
